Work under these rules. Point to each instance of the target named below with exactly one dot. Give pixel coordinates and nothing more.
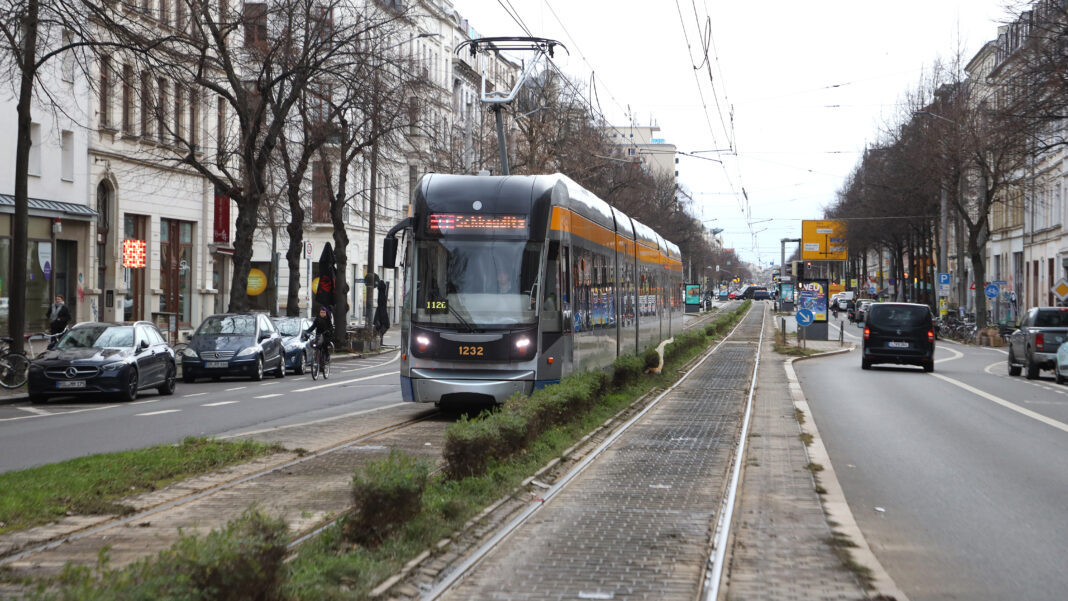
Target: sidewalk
(784, 544)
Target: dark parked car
(115, 359)
(901, 333)
(297, 346)
(761, 294)
(234, 344)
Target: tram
(514, 282)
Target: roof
(50, 208)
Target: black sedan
(297, 346)
(234, 344)
(113, 359)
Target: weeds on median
(94, 485)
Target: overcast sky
(797, 89)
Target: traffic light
(797, 269)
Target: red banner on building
(222, 219)
(133, 253)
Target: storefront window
(176, 268)
(39, 266)
(5, 294)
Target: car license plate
(215, 364)
(897, 344)
(71, 384)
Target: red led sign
(133, 253)
(443, 222)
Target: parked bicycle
(49, 339)
(321, 359)
(14, 367)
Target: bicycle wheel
(315, 365)
(14, 370)
(326, 366)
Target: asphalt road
(62, 429)
(958, 479)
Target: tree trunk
(247, 209)
(295, 229)
(20, 225)
(341, 252)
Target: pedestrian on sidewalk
(58, 316)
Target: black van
(901, 333)
(750, 291)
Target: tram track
(505, 517)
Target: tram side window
(550, 302)
(583, 281)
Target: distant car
(234, 344)
(297, 346)
(104, 358)
(724, 295)
(899, 333)
(861, 312)
(761, 294)
(733, 294)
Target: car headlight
(188, 352)
(112, 366)
(252, 350)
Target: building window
(256, 25)
(127, 99)
(320, 194)
(105, 91)
(164, 12)
(66, 142)
(176, 267)
(194, 120)
(35, 149)
(147, 108)
(220, 130)
(179, 109)
(161, 110)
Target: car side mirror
(264, 336)
(143, 346)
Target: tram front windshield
(474, 284)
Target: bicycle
(14, 367)
(320, 362)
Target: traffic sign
(943, 279)
(991, 291)
(804, 317)
(1060, 289)
(308, 248)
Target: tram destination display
(457, 223)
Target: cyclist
(323, 325)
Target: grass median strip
(92, 485)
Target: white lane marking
(992, 366)
(12, 419)
(219, 403)
(956, 355)
(238, 388)
(194, 394)
(314, 421)
(267, 383)
(341, 382)
(158, 412)
(1006, 404)
(34, 410)
(146, 402)
(268, 396)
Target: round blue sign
(804, 317)
(991, 291)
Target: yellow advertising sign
(257, 282)
(823, 241)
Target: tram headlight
(422, 343)
(523, 348)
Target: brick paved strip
(638, 522)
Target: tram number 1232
(472, 351)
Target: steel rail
(480, 554)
